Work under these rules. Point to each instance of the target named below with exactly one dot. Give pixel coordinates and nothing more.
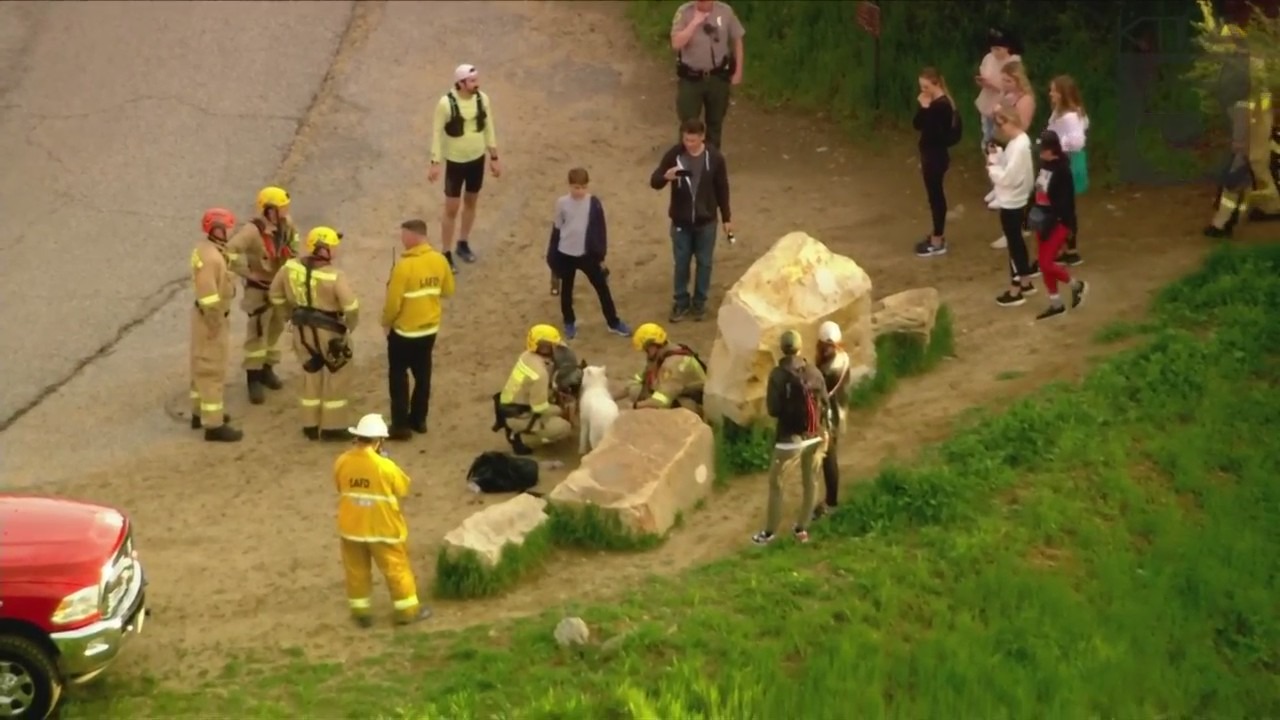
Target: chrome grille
(123, 568)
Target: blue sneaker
(570, 331)
(620, 328)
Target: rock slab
(913, 312)
(796, 285)
(652, 465)
(488, 532)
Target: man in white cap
(462, 135)
(371, 525)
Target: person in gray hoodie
(796, 397)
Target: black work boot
(312, 432)
(270, 379)
(363, 621)
(196, 423)
(399, 432)
(257, 391)
(423, 613)
(334, 435)
(222, 433)
(517, 444)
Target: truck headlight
(79, 605)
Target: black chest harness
(309, 321)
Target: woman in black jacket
(939, 127)
(1051, 219)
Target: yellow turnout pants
(392, 559)
(210, 351)
(324, 393)
(262, 334)
(546, 430)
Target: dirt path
(239, 540)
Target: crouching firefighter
(523, 409)
(372, 526)
(673, 376)
(324, 311)
(210, 328)
(263, 246)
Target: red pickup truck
(71, 593)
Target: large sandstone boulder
(913, 312)
(489, 531)
(652, 465)
(796, 285)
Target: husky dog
(596, 408)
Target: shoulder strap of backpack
(454, 112)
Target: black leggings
(934, 168)
(831, 468)
(1011, 224)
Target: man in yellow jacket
(523, 408)
(411, 318)
(372, 527)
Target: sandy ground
(239, 539)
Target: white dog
(596, 408)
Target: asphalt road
(120, 122)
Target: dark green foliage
(587, 527)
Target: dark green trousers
(709, 95)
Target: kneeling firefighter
(673, 376)
(524, 409)
(262, 247)
(324, 311)
(210, 329)
(372, 526)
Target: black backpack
(454, 126)
(957, 128)
(799, 413)
(496, 472)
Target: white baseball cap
(464, 72)
(829, 332)
(371, 426)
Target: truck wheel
(29, 681)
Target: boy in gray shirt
(580, 241)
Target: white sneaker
(990, 197)
(1000, 243)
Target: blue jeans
(988, 132)
(687, 244)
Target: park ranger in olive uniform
(707, 38)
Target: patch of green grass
(742, 450)
(1104, 549)
(464, 574)
(1121, 330)
(590, 527)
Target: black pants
(405, 356)
(1011, 224)
(934, 168)
(567, 267)
(831, 469)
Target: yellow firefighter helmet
(539, 334)
(648, 333)
(322, 236)
(272, 197)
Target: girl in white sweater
(1012, 173)
(1071, 123)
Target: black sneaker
(453, 267)
(311, 432)
(1216, 232)
(699, 313)
(764, 537)
(464, 252)
(1008, 299)
(517, 445)
(1078, 292)
(1052, 311)
(1028, 290)
(1072, 259)
(1034, 271)
(678, 313)
(926, 248)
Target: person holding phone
(699, 181)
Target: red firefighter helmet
(217, 217)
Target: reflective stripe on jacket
(528, 384)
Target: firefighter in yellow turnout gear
(324, 311)
(262, 247)
(524, 406)
(210, 328)
(371, 525)
(673, 376)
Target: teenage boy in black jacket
(1051, 219)
(699, 181)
